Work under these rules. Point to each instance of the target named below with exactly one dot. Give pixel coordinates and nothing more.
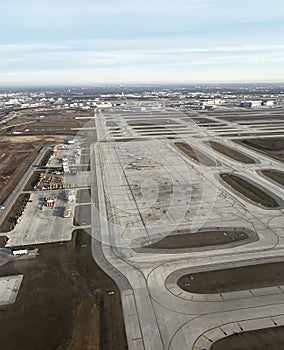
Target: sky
(133, 41)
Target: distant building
(103, 105)
(267, 103)
(218, 101)
(212, 102)
(251, 104)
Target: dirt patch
(3, 241)
(64, 301)
(46, 158)
(231, 153)
(14, 214)
(25, 141)
(32, 181)
(161, 133)
(202, 120)
(194, 154)
(156, 129)
(261, 339)
(273, 147)
(141, 124)
(154, 122)
(127, 140)
(16, 155)
(235, 279)
(12, 169)
(215, 126)
(275, 175)
(270, 129)
(111, 123)
(82, 215)
(224, 133)
(48, 122)
(247, 115)
(253, 192)
(198, 239)
(83, 196)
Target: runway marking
(239, 324)
(241, 328)
(222, 330)
(205, 336)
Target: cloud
(93, 55)
(138, 36)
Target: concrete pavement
(146, 188)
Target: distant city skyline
(182, 41)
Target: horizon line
(119, 83)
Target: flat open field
(198, 239)
(275, 175)
(249, 190)
(43, 122)
(64, 302)
(235, 279)
(16, 155)
(249, 115)
(261, 339)
(152, 122)
(231, 153)
(195, 155)
(201, 120)
(273, 147)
